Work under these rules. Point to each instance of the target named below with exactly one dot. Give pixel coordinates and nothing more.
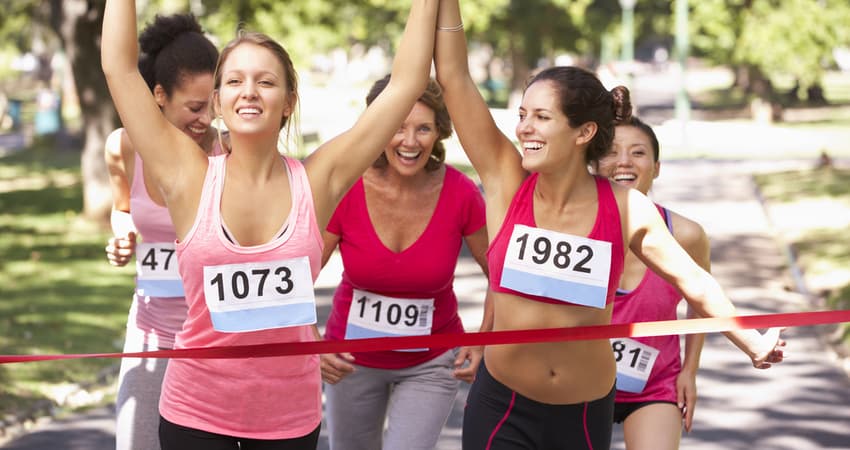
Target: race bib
(157, 272)
(634, 363)
(260, 296)
(372, 315)
(560, 266)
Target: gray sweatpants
(415, 402)
(137, 402)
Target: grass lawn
(811, 211)
(58, 293)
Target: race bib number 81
(634, 363)
(561, 266)
(157, 273)
(259, 296)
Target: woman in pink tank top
(556, 253)
(654, 400)
(178, 67)
(248, 226)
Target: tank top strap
(137, 186)
(302, 194)
(206, 217)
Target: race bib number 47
(157, 272)
(259, 296)
(560, 266)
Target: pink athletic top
(653, 299)
(423, 270)
(521, 212)
(155, 319)
(259, 398)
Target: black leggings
(498, 418)
(178, 437)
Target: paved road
(800, 404)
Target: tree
(78, 24)
(764, 40)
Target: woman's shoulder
(687, 232)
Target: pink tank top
(259, 398)
(159, 308)
(607, 228)
(653, 299)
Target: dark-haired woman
(177, 63)
(558, 240)
(400, 231)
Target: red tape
(637, 329)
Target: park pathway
(801, 404)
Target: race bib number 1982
(560, 266)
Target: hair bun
(622, 104)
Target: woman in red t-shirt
(400, 229)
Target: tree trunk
(79, 23)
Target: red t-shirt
(425, 270)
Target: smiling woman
(248, 228)
(559, 238)
(400, 230)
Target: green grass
(58, 293)
(820, 242)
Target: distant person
(558, 242)
(400, 230)
(177, 63)
(656, 389)
(248, 226)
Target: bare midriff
(557, 373)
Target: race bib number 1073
(260, 295)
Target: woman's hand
(471, 354)
(119, 250)
(770, 350)
(335, 367)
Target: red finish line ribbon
(637, 329)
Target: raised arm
(334, 167)
(154, 138)
(493, 155)
(649, 239)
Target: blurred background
(739, 79)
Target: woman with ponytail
(558, 238)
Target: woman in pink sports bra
(178, 65)
(556, 254)
(657, 399)
(248, 226)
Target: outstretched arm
(154, 138)
(493, 155)
(649, 239)
(334, 167)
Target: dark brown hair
(584, 99)
(172, 47)
(432, 98)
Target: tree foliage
(771, 38)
